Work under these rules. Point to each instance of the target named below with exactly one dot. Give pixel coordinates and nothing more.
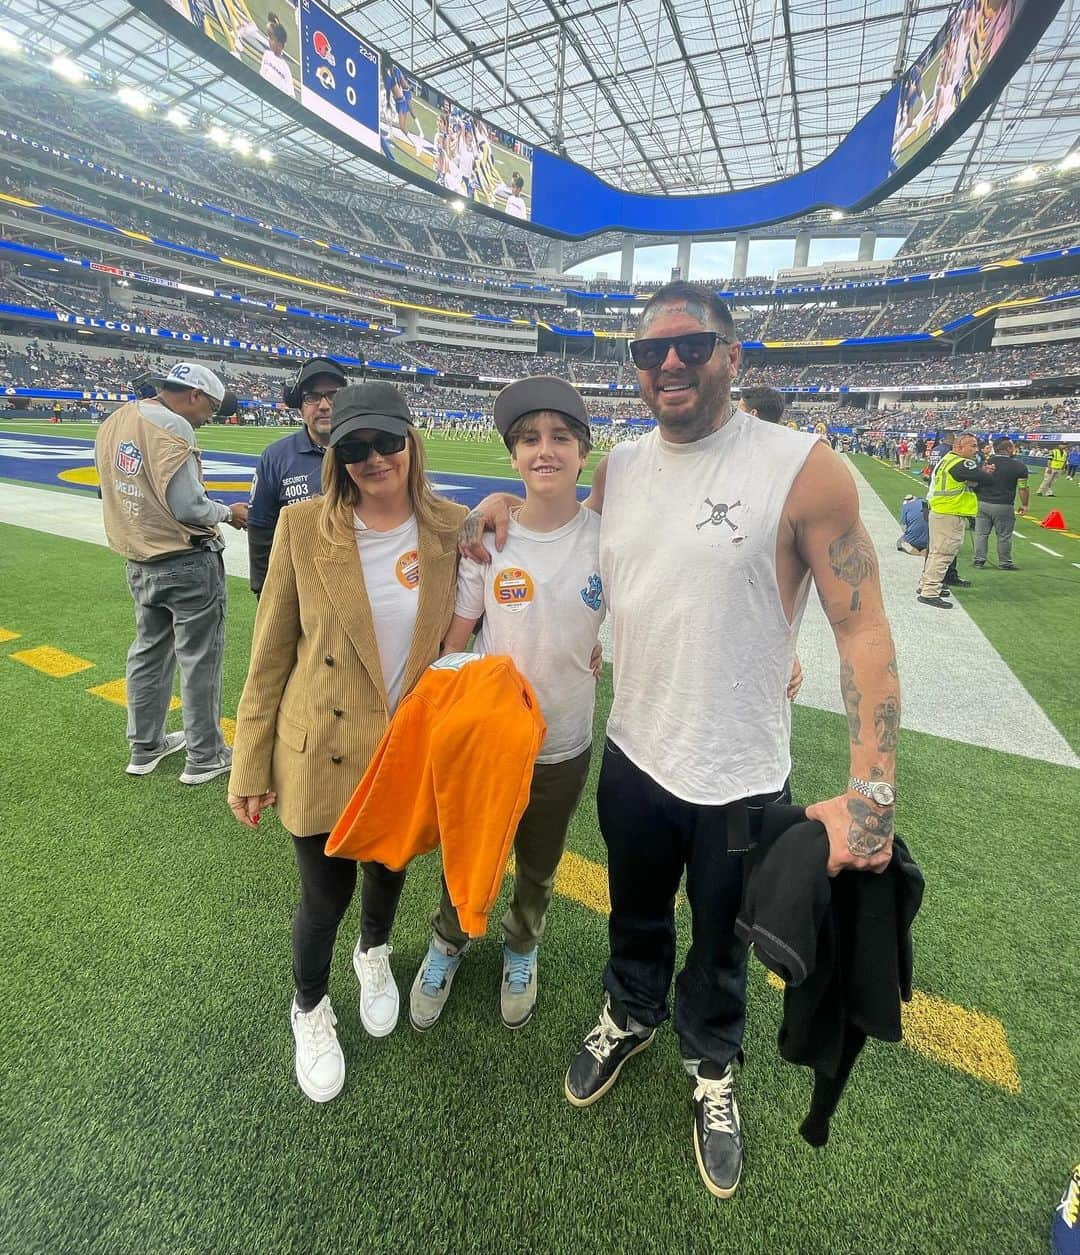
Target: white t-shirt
(702, 647)
(515, 207)
(276, 70)
(391, 563)
(543, 603)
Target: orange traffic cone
(1054, 521)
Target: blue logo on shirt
(593, 593)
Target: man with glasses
(290, 469)
(710, 526)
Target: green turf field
(149, 1102)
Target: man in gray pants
(158, 516)
(996, 509)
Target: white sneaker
(320, 1065)
(173, 741)
(379, 998)
(199, 774)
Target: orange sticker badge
(514, 588)
(408, 569)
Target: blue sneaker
(517, 997)
(1065, 1230)
(431, 988)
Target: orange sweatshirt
(455, 763)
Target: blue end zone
(58, 462)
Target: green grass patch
(149, 1102)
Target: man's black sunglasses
(694, 349)
(385, 444)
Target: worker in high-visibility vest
(1054, 466)
(952, 502)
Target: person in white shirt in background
(274, 67)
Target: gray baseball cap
(540, 392)
(362, 406)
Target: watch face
(883, 794)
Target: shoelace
(518, 972)
(318, 1030)
(436, 967)
(719, 1100)
(604, 1038)
(376, 972)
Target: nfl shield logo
(128, 458)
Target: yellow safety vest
(1057, 460)
(947, 495)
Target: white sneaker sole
(201, 777)
(370, 1027)
(144, 769)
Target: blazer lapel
(438, 558)
(342, 577)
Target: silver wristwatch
(876, 790)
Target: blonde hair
(341, 496)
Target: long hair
(341, 496)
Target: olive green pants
(538, 847)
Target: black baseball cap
(539, 392)
(319, 366)
(376, 406)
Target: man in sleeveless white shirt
(712, 527)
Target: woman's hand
(247, 810)
(795, 683)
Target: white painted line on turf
(1052, 552)
(1019, 535)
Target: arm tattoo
(852, 697)
(853, 560)
(870, 829)
(887, 723)
(893, 670)
(472, 528)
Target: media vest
(136, 459)
(948, 495)
(1057, 459)
(455, 765)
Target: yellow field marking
(584, 881)
(116, 692)
(228, 729)
(966, 1040)
(6, 634)
(52, 661)
(88, 475)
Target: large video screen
(312, 56)
(939, 82)
(347, 89)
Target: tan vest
(136, 459)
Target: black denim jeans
(651, 837)
(326, 889)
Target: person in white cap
(157, 515)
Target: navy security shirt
(289, 470)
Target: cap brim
(369, 422)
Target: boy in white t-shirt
(542, 604)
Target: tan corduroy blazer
(314, 705)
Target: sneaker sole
(144, 769)
(318, 1095)
(369, 1028)
(715, 1190)
(204, 776)
(575, 1101)
(516, 1024)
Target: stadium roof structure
(658, 96)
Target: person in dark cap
(358, 597)
(542, 605)
(290, 469)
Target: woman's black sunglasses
(694, 349)
(384, 443)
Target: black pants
(651, 836)
(326, 889)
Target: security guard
(952, 502)
(158, 516)
(290, 469)
(1054, 466)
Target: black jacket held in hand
(842, 945)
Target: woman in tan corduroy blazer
(358, 596)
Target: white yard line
(1052, 552)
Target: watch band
(867, 789)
